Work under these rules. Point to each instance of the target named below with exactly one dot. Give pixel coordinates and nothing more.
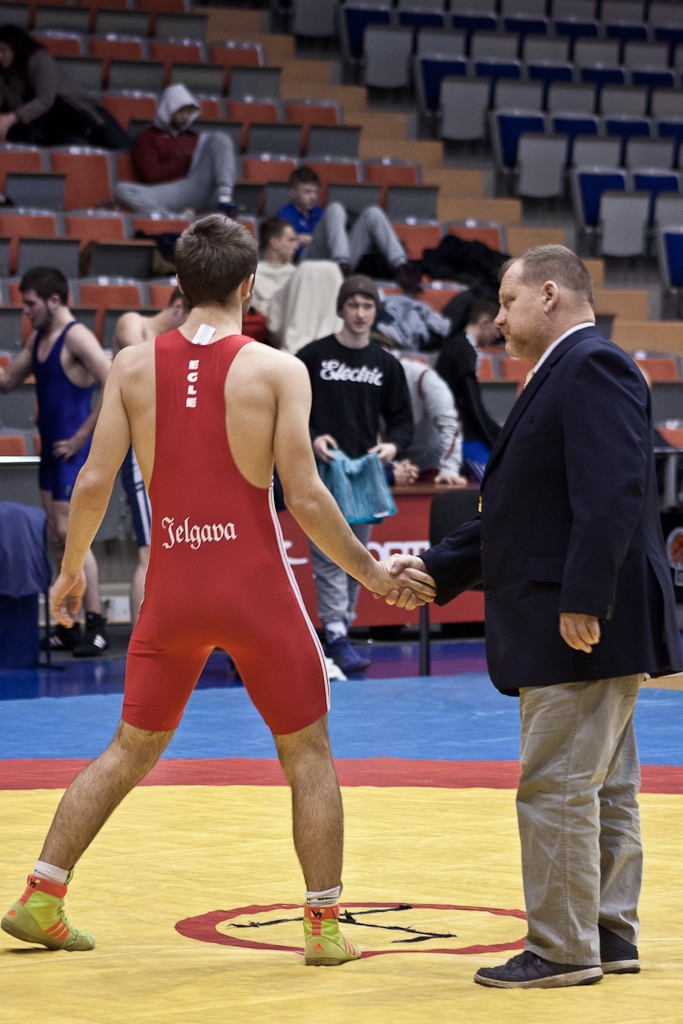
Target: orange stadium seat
(162, 6)
(489, 234)
(4, 362)
(250, 223)
(307, 114)
(37, 445)
(659, 370)
(159, 294)
(233, 57)
(70, 45)
(485, 368)
(256, 170)
(390, 174)
(672, 436)
(171, 53)
(12, 444)
(107, 296)
(261, 113)
(437, 298)
(515, 369)
(211, 110)
(95, 229)
(124, 167)
(25, 225)
(158, 225)
(18, 160)
(417, 237)
(115, 49)
(87, 177)
(127, 108)
(334, 172)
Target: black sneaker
(527, 970)
(95, 640)
(344, 655)
(62, 639)
(617, 955)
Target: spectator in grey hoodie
(182, 170)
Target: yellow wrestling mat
(443, 866)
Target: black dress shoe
(617, 955)
(527, 970)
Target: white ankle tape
(326, 898)
(51, 873)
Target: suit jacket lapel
(528, 394)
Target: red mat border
(46, 773)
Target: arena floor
(193, 890)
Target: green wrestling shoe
(325, 944)
(38, 916)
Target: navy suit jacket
(569, 522)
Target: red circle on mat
(204, 927)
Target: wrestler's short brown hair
(554, 263)
(212, 257)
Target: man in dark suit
(579, 606)
(457, 364)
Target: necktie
(529, 376)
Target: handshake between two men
(404, 583)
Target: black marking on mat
(346, 917)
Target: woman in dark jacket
(41, 105)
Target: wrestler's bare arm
(19, 369)
(128, 331)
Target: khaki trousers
(577, 807)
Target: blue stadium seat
(670, 253)
(432, 71)
(588, 184)
(548, 73)
(356, 20)
(673, 35)
(566, 124)
(495, 69)
(576, 29)
(626, 126)
(470, 22)
(626, 32)
(654, 182)
(508, 125)
(603, 76)
(421, 19)
(671, 128)
(653, 79)
(526, 26)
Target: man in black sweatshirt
(354, 383)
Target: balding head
(543, 293)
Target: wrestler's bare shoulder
(134, 363)
(259, 360)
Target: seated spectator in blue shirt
(323, 233)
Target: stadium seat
(312, 112)
(25, 224)
(118, 293)
(354, 21)
(438, 298)
(494, 46)
(491, 234)
(114, 259)
(506, 128)
(463, 109)
(125, 107)
(159, 294)
(19, 158)
(162, 6)
(588, 184)
(341, 140)
(629, 101)
(596, 52)
(668, 210)
(95, 226)
(475, 21)
(623, 219)
(122, 23)
(354, 197)
(185, 52)
(655, 181)
(86, 71)
(672, 436)
(575, 29)
(430, 73)
(262, 170)
(172, 25)
(41, 189)
(417, 20)
(642, 152)
(650, 56)
(88, 179)
(61, 44)
(113, 48)
(485, 368)
(247, 112)
(235, 55)
(335, 171)
(666, 103)
(157, 225)
(589, 151)
(48, 252)
(389, 173)
(495, 69)
(516, 95)
(61, 18)
(12, 445)
(411, 201)
(447, 44)
(659, 370)
(548, 74)
(387, 53)
(670, 256)
(281, 139)
(144, 75)
(124, 167)
(572, 99)
(259, 83)
(573, 127)
(603, 76)
(418, 236)
(541, 160)
(515, 369)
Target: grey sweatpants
(577, 807)
(212, 168)
(372, 232)
(337, 592)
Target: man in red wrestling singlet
(209, 412)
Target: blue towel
(359, 487)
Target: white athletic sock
(50, 873)
(326, 898)
(334, 630)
